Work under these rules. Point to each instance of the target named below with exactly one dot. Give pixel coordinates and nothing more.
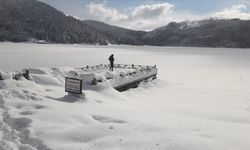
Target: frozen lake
(201, 100)
(15, 56)
(228, 67)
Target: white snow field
(199, 101)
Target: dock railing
(125, 66)
(137, 74)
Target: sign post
(73, 85)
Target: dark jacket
(111, 58)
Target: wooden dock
(127, 76)
(123, 77)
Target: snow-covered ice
(201, 100)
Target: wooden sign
(73, 85)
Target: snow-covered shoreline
(199, 101)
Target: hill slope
(205, 33)
(21, 20)
(120, 35)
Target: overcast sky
(150, 14)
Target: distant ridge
(120, 35)
(204, 33)
(32, 20)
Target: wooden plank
(133, 84)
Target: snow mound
(38, 110)
(173, 112)
(45, 79)
(11, 83)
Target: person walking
(111, 61)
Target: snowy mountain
(31, 20)
(204, 33)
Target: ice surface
(199, 101)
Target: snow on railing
(123, 77)
(121, 66)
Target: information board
(73, 85)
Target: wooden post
(26, 74)
(1, 78)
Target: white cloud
(151, 16)
(143, 17)
(236, 11)
(105, 13)
(151, 11)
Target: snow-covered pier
(123, 77)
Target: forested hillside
(25, 20)
(21, 20)
(205, 33)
